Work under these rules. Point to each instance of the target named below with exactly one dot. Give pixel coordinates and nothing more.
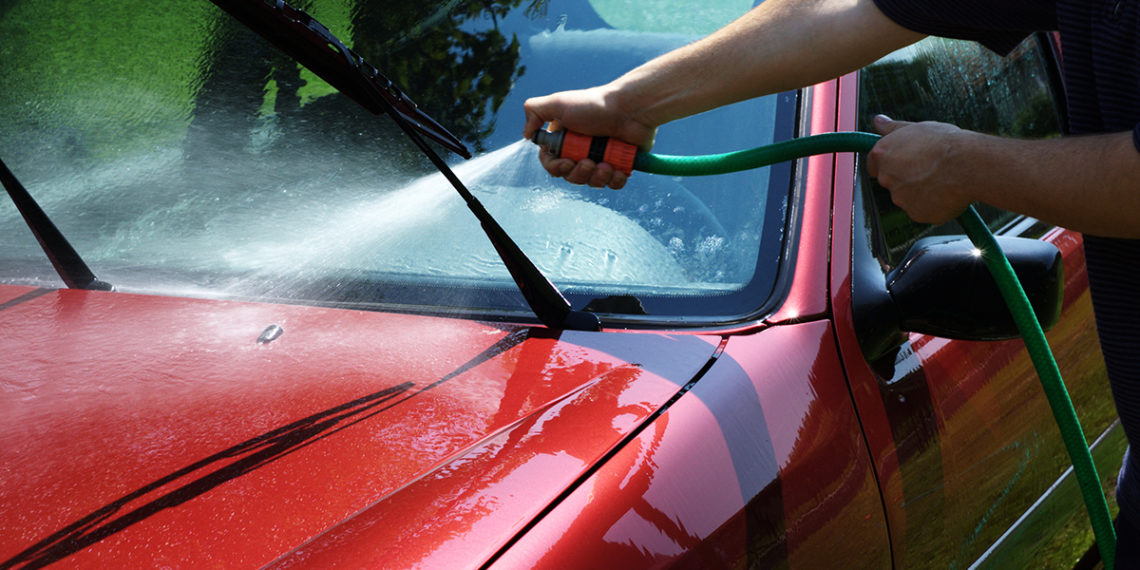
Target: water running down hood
(132, 418)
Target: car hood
(145, 430)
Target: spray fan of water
(286, 228)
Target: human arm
(1088, 183)
(779, 45)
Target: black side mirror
(943, 288)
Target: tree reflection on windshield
(455, 68)
(182, 154)
(419, 44)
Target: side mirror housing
(944, 288)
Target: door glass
(968, 426)
(961, 83)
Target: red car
(311, 354)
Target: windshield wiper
(63, 257)
(309, 42)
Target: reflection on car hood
(144, 430)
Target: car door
(970, 461)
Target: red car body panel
(928, 410)
(948, 405)
(806, 297)
(792, 464)
(128, 418)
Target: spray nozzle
(576, 146)
(551, 141)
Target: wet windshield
(182, 154)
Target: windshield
(182, 154)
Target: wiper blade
(63, 257)
(547, 302)
(309, 42)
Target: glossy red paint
(807, 298)
(142, 430)
(957, 399)
(766, 464)
(467, 509)
(864, 390)
(930, 409)
(12, 294)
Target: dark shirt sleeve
(999, 26)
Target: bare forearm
(779, 45)
(1086, 183)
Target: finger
(886, 125)
(873, 159)
(875, 167)
(533, 123)
(602, 176)
(619, 180)
(582, 172)
(536, 112)
(557, 167)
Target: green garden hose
(1051, 383)
(755, 157)
(975, 229)
(996, 262)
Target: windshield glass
(182, 154)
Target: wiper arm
(310, 43)
(63, 257)
(547, 302)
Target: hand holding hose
(916, 162)
(592, 112)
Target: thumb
(533, 123)
(885, 125)
(538, 113)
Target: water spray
(626, 158)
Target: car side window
(962, 83)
